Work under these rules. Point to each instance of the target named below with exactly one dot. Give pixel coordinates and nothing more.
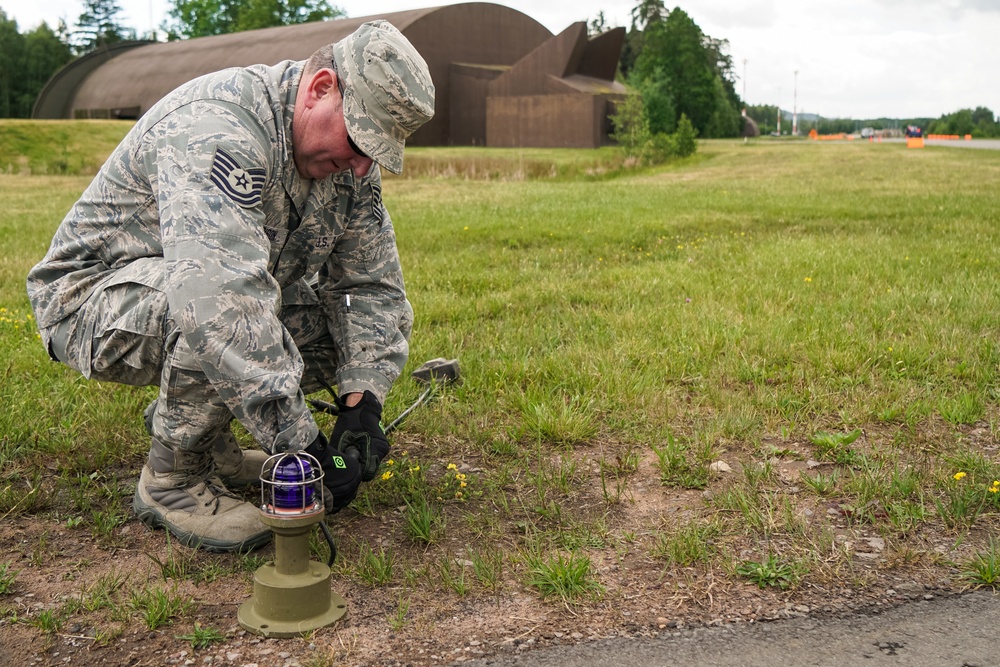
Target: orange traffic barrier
(943, 136)
(968, 137)
(914, 142)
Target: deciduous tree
(202, 18)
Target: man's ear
(320, 84)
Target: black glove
(359, 429)
(341, 474)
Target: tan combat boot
(179, 491)
(235, 466)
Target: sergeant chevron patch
(243, 186)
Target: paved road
(990, 144)
(959, 631)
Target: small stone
(576, 635)
(802, 608)
(928, 597)
(720, 466)
(876, 543)
(813, 464)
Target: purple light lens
(290, 471)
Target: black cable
(329, 540)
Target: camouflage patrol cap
(388, 92)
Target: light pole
(744, 82)
(795, 109)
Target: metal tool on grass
(433, 374)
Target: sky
(837, 58)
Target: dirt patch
(420, 619)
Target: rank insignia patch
(377, 204)
(243, 186)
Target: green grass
(58, 147)
(618, 332)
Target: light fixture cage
(291, 485)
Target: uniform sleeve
(211, 161)
(361, 286)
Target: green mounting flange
(291, 595)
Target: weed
(7, 577)
(158, 607)
(689, 544)
(397, 621)
(487, 564)
(984, 568)
(424, 521)
(568, 578)
(49, 621)
(202, 637)
(836, 447)
(820, 484)
(175, 565)
(676, 470)
(770, 571)
(374, 568)
(105, 522)
(101, 594)
(452, 575)
(965, 408)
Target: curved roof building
(501, 77)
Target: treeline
(980, 122)
(29, 59)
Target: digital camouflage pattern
(389, 92)
(200, 260)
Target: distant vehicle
(914, 131)
(867, 132)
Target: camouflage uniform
(199, 259)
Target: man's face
(320, 143)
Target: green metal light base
(291, 595)
(289, 605)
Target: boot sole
(152, 518)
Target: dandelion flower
(959, 475)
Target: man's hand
(358, 431)
(341, 474)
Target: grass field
(741, 366)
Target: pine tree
(100, 25)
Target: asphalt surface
(958, 631)
(988, 144)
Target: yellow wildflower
(452, 466)
(415, 469)
(387, 475)
(959, 475)
(390, 462)
(459, 476)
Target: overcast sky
(855, 58)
